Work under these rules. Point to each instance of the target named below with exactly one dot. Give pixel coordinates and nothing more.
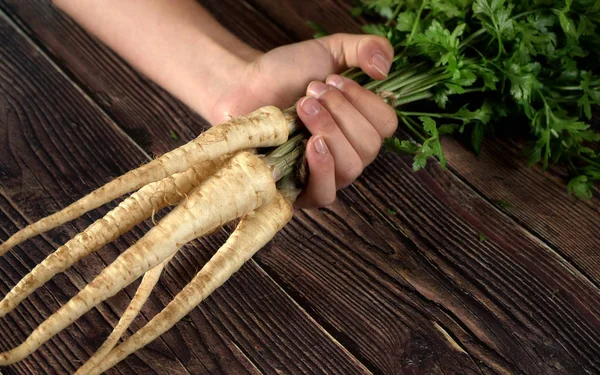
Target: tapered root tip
(7, 358)
(7, 245)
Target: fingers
(373, 54)
(318, 120)
(379, 114)
(361, 135)
(348, 124)
(321, 188)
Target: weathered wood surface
(55, 144)
(350, 288)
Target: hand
(347, 122)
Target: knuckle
(372, 149)
(350, 172)
(380, 40)
(389, 123)
(333, 99)
(323, 124)
(325, 200)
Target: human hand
(347, 122)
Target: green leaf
(405, 21)
(477, 138)
(482, 114)
(376, 29)
(495, 17)
(523, 80)
(567, 24)
(405, 146)
(420, 162)
(441, 98)
(429, 126)
(581, 187)
(447, 129)
(356, 11)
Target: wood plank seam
(38, 46)
(4, 16)
(312, 319)
(530, 231)
(70, 78)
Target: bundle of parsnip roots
(210, 181)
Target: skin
(252, 233)
(208, 146)
(133, 210)
(135, 306)
(182, 48)
(242, 185)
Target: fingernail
(335, 81)
(316, 89)
(320, 145)
(310, 106)
(379, 62)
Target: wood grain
(537, 200)
(509, 302)
(55, 146)
(415, 292)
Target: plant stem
(401, 100)
(395, 14)
(412, 129)
(470, 38)
(589, 161)
(429, 114)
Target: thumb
(373, 54)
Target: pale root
(265, 127)
(135, 306)
(132, 211)
(241, 186)
(254, 231)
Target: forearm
(177, 44)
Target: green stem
(474, 89)
(397, 76)
(427, 114)
(285, 165)
(414, 28)
(406, 122)
(402, 100)
(589, 161)
(471, 37)
(395, 14)
(284, 149)
(398, 82)
(426, 82)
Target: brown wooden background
(350, 289)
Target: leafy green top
(534, 60)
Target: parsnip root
(241, 186)
(265, 127)
(253, 232)
(135, 306)
(133, 210)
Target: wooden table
(488, 268)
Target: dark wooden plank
(408, 292)
(537, 200)
(508, 340)
(57, 145)
(293, 16)
(142, 109)
(509, 301)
